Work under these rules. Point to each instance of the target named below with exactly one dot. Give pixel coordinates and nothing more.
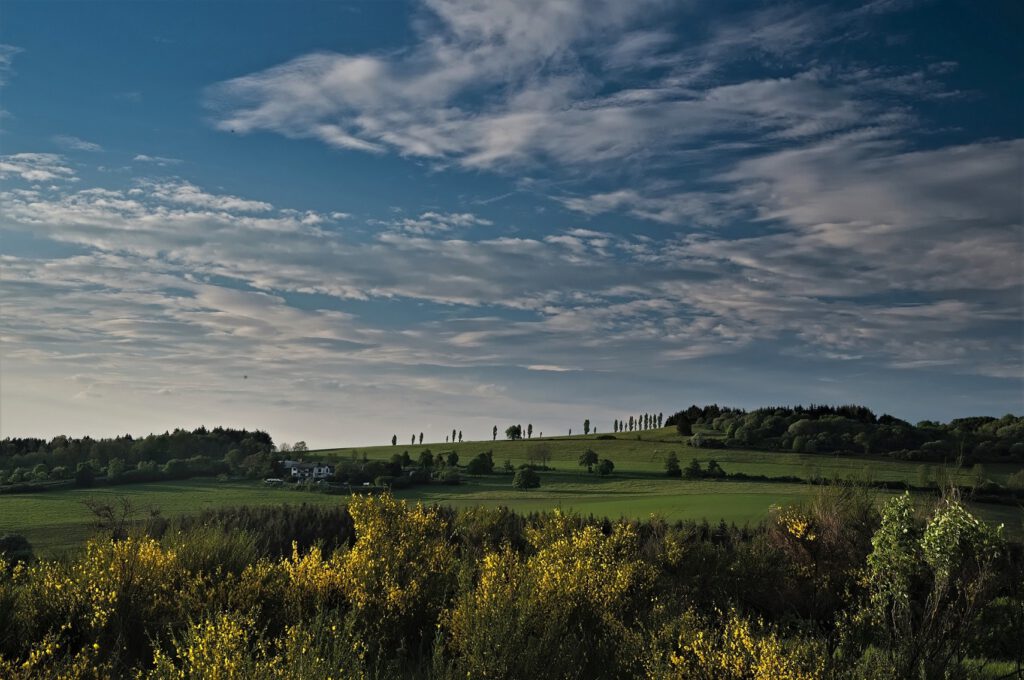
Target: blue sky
(336, 221)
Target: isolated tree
(586, 426)
(514, 432)
(453, 435)
(683, 426)
(588, 459)
(570, 431)
(299, 447)
(605, 467)
(529, 430)
(460, 436)
(394, 440)
(615, 425)
(494, 433)
(421, 439)
(527, 478)
(540, 453)
(672, 468)
(413, 441)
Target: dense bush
(383, 589)
(482, 464)
(526, 478)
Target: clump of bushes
(482, 464)
(526, 478)
(385, 589)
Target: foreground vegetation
(831, 588)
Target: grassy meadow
(59, 521)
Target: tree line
(173, 454)
(854, 429)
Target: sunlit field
(58, 521)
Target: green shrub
(526, 478)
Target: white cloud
(7, 53)
(161, 161)
(185, 193)
(701, 209)
(432, 222)
(495, 85)
(36, 167)
(75, 143)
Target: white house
(301, 470)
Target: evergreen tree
(672, 468)
(586, 426)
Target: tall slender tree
(586, 426)
(394, 439)
(494, 433)
(421, 438)
(460, 436)
(529, 430)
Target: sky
(338, 221)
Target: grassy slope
(647, 455)
(56, 521)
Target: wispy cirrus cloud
(73, 143)
(7, 54)
(161, 161)
(561, 99)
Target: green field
(58, 521)
(645, 453)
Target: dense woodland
(172, 455)
(835, 588)
(857, 430)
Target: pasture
(58, 521)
